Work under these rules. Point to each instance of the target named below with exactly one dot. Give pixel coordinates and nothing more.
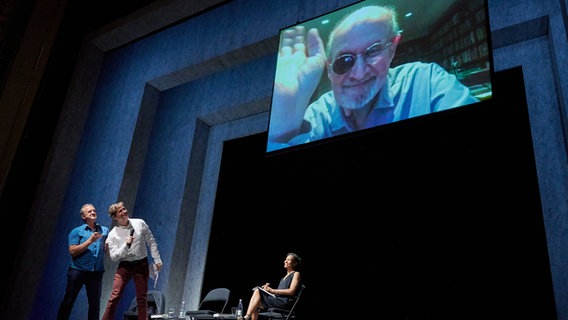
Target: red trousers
(127, 270)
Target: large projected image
(375, 63)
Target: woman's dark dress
(281, 301)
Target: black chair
(156, 305)
(214, 302)
(278, 313)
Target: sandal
(247, 317)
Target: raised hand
(301, 62)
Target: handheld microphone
(131, 234)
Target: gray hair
(374, 11)
(82, 211)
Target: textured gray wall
(145, 124)
(533, 34)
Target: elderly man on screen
(366, 91)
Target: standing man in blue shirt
(87, 249)
(365, 90)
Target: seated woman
(283, 295)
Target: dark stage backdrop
(437, 217)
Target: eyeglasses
(345, 62)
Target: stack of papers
(154, 274)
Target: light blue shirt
(92, 259)
(411, 90)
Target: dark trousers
(76, 279)
(137, 270)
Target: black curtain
(436, 217)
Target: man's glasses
(345, 62)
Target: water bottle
(182, 310)
(240, 309)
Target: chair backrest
(159, 300)
(293, 308)
(215, 300)
(156, 304)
